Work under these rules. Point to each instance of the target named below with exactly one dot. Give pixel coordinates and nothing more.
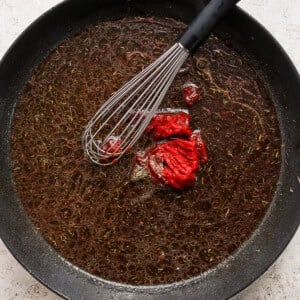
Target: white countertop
(282, 280)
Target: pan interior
(135, 231)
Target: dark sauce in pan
(137, 232)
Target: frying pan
(266, 243)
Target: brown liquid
(135, 232)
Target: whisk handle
(202, 25)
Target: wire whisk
(123, 118)
(124, 122)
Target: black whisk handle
(202, 25)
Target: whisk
(122, 119)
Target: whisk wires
(121, 121)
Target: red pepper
(165, 125)
(190, 93)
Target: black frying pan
(229, 277)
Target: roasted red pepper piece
(175, 163)
(190, 93)
(165, 125)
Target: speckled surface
(282, 281)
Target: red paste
(113, 146)
(190, 93)
(169, 124)
(201, 146)
(175, 163)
